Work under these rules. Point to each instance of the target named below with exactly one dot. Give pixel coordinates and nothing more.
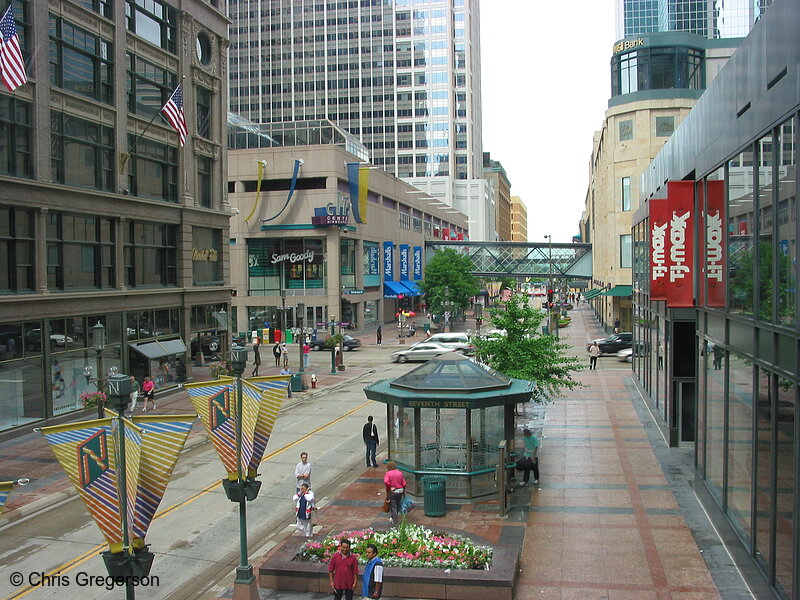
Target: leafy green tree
(525, 353)
(451, 270)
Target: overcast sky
(545, 89)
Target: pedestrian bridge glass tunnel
(523, 259)
(447, 417)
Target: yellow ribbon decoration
(261, 165)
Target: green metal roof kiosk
(447, 417)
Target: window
(206, 256)
(101, 7)
(150, 251)
(153, 20)
(626, 130)
(82, 152)
(80, 252)
(405, 221)
(16, 250)
(626, 193)
(80, 61)
(149, 86)
(625, 252)
(204, 170)
(153, 170)
(15, 137)
(203, 112)
(665, 126)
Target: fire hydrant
(313, 381)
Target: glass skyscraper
(403, 75)
(713, 19)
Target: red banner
(659, 223)
(672, 245)
(680, 198)
(715, 243)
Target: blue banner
(297, 164)
(373, 261)
(417, 263)
(404, 248)
(388, 261)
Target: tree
(525, 353)
(451, 270)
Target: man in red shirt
(343, 572)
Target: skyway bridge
(523, 259)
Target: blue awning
(395, 289)
(411, 285)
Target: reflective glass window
(740, 442)
(786, 559)
(763, 459)
(766, 208)
(80, 61)
(82, 152)
(740, 228)
(715, 428)
(15, 137)
(786, 224)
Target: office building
(403, 77)
(718, 352)
(519, 220)
(104, 216)
(495, 174)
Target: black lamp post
(283, 313)
(301, 312)
(243, 489)
(99, 343)
(333, 349)
(129, 563)
(446, 304)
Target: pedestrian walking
(370, 435)
(304, 504)
(284, 355)
(276, 352)
(616, 325)
(379, 335)
(395, 490)
(530, 458)
(149, 392)
(594, 352)
(135, 388)
(372, 581)
(343, 572)
(302, 472)
(412, 330)
(256, 359)
(718, 353)
(306, 355)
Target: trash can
(297, 382)
(434, 488)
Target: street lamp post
(283, 314)
(333, 349)
(243, 489)
(99, 343)
(129, 563)
(552, 322)
(446, 305)
(301, 312)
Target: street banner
(714, 242)
(297, 164)
(680, 289)
(214, 402)
(273, 392)
(417, 263)
(358, 178)
(659, 223)
(404, 262)
(388, 261)
(85, 451)
(5, 492)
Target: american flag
(12, 67)
(173, 111)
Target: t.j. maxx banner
(672, 245)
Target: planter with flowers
(93, 399)
(420, 563)
(221, 369)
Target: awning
(411, 285)
(159, 349)
(395, 289)
(619, 290)
(592, 293)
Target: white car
(420, 351)
(625, 355)
(457, 341)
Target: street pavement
(614, 515)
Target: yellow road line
(68, 566)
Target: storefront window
(370, 312)
(765, 227)
(347, 265)
(715, 428)
(763, 465)
(21, 390)
(206, 256)
(740, 442)
(741, 263)
(275, 265)
(786, 227)
(785, 554)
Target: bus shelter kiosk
(447, 418)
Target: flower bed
(407, 545)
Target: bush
(334, 340)
(93, 399)
(221, 369)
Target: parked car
(627, 354)
(613, 343)
(33, 339)
(238, 340)
(209, 343)
(457, 341)
(420, 351)
(349, 343)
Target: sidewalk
(608, 519)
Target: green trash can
(434, 488)
(297, 382)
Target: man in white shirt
(302, 471)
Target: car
(238, 340)
(457, 341)
(209, 343)
(57, 340)
(625, 355)
(421, 351)
(613, 343)
(349, 343)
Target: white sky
(545, 88)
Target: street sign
(354, 291)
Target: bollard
(313, 381)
